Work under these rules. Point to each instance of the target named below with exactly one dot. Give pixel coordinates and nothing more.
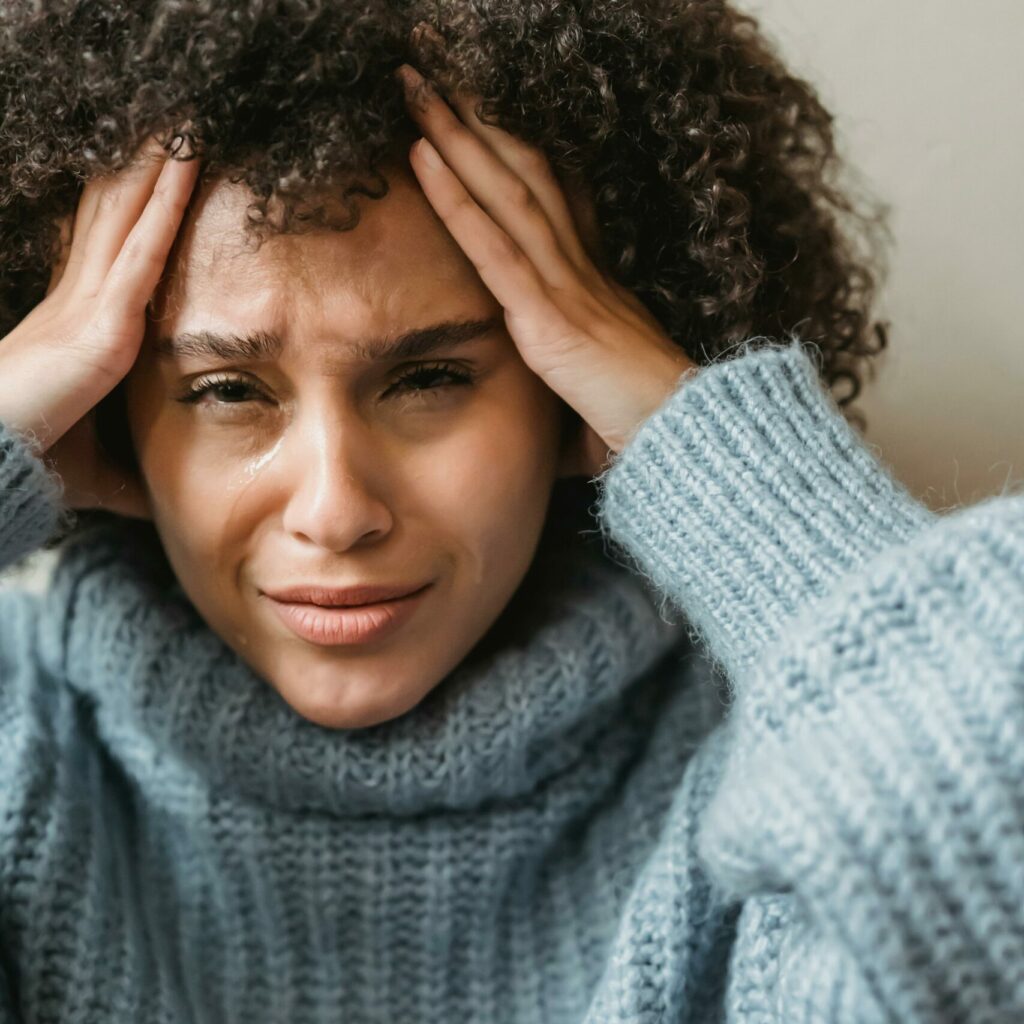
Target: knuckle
(462, 205)
(137, 252)
(503, 255)
(169, 198)
(131, 252)
(162, 197)
(505, 249)
(521, 196)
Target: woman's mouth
(333, 626)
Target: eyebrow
(256, 346)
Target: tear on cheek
(256, 466)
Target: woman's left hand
(588, 338)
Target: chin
(350, 706)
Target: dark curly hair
(709, 164)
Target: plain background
(928, 98)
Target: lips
(332, 625)
(343, 597)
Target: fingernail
(409, 75)
(423, 31)
(430, 155)
(183, 144)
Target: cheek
(190, 492)
(192, 474)
(485, 484)
(190, 521)
(492, 481)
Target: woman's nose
(334, 497)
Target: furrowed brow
(252, 347)
(265, 346)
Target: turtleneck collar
(164, 685)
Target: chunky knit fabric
(583, 828)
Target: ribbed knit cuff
(747, 495)
(30, 498)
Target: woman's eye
(228, 390)
(431, 378)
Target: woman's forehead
(398, 243)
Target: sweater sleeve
(875, 655)
(31, 510)
(7, 1012)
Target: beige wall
(929, 103)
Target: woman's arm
(747, 496)
(30, 512)
(30, 499)
(749, 501)
(7, 1015)
(875, 655)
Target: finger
(84, 214)
(530, 164)
(503, 267)
(565, 198)
(66, 228)
(502, 193)
(143, 257)
(114, 206)
(73, 231)
(75, 228)
(93, 189)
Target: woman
(506, 788)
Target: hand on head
(85, 335)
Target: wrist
(662, 376)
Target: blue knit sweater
(763, 763)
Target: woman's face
(326, 463)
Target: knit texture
(762, 762)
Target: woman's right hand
(85, 335)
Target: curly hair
(710, 166)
